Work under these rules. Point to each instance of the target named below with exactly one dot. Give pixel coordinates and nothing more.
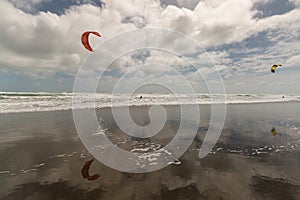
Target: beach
(149, 100)
(42, 157)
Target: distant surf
(17, 102)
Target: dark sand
(42, 156)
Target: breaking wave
(41, 101)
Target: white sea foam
(34, 102)
(38, 165)
(28, 170)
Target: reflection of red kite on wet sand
(85, 39)
(85, 171)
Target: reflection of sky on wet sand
(41, 158)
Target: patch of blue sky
(13, 82)
(141, 55)
(110, 73)
(56, 6)
(274, 7)
(257, 44)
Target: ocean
(17, 102)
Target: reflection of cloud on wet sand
(274, 188)
(50, 191)
(58, 156)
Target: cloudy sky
(40, 48)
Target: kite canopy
(273, 68)
(85, 39)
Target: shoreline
(149, 105)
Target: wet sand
(42, 156)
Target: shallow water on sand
(42, 156)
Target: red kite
(85, 39)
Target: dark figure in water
(85, 171)
(283, 97)
(141, 97)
